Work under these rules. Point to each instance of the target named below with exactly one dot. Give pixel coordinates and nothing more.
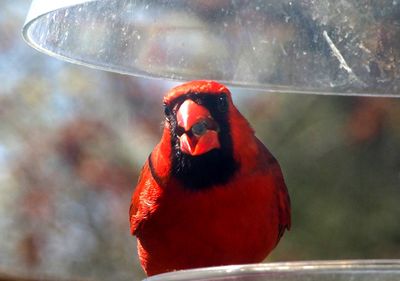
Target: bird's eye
(222, 104)
(167, 111)
(199, 129)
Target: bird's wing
(282, 193)
(144, 198)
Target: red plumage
(235, 220)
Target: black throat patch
(215, 167)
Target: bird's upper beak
(200, 131)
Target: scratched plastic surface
(327, 47)
(351, 270)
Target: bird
(210, 193)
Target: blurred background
(73, 140)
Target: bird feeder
(315, 47)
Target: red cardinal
(210, 193)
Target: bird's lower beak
(200, 130)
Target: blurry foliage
(341, 159)
(72, 142)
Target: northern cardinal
(210, 193)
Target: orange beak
(200, 130)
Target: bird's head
(198, 117)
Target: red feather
(238, 222)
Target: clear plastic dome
(325, 47)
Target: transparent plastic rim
(41, 8)
(392, 265)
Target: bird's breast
(230, 224)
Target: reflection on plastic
(326, 47)
(355, 270)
